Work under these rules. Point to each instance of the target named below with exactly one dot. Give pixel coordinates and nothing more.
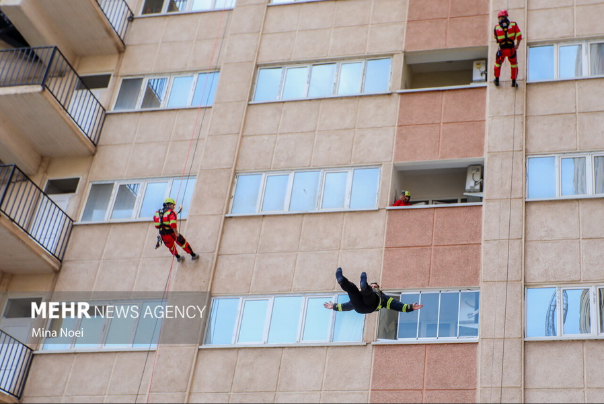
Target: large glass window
(135, 200)
(281, 320)
(196, 90)
(565, 61)
(306, 191)
(446, 315)
(180, 6)
(596, 57)
(323, 80)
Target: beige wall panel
(551, 98)
(110, 162)
(594, 357)
(280, 233)
(510, 100)
(111, 270)
(348, 41)
(505, 395)
(203, 232)
(587, 20)
(256, 153)
(352, 12)
(209, 398)
(353, 262)
(552, 261)
(450, 396)
(540, 24)
(344, 397)
(498, 265)
(300, 116)
(120, 128)
(123, 380)
(241, 48)
(235, 80)
(204, 54)
(212, 187)
(386, 38)
(182, 157)
(192, 123)
(339, 113)
(248, 379)
(181, 28)
(153, 274)
(173, 56)
(385, 11)
(338, 358)
(276, 47)
(240, 235)
(377, 111)
(263, 119)
(499, 170)
(145, 31)
(293, 150)
(90, 374)
(364, 229)
(227, 118)
(589, 92)
(551, 133)
(302, 369)
(396, 396)
(591, 130)
(316, 16)
(552, 220)
(311, 44)
(333, 148)
(214, 370)
(497, 224)
(273, 273)
(80, 247)
(134, 233)
(503, 131)
(48, 375)
(537, 4)
(246, 19)
(594, 395)
(315, 271)
(77, 276)
(155, 126)
(144, 158)
(83, 399)
(542, 365)
(30, 283)
(233, 273)
(166, 398)
(592, 256)
(491, 363)
(252, 398)
(592, 218)
(172, 369)
(281, 19)
(194, 276)
(493, 298)
(372, 145)
(139, 59)
(554, 396)
(298, 397)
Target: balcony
(79, 27)
(15, 362)
(46, 108)
(34, 230)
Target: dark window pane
(128, 95)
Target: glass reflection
(285, 320)
(154, 196)
(573, 176)
(125, 200)
(541, 63)
(447, 320)
(295, 83)
(274, 193)
(541, 177)
(252, 322)
(569, 61)
(304, 192)
(334, 190)
(541, 312)
(222, 321)
(205, 89)
(428, 315)
(407, 322)
(246, 193)
(268, 85)
(349, 324)
(180, 92)
(576, 311)
(317, 321)
(350, 78)
(322, 80)
(469, 306)
(377, 77)
(364, 188)
(154, 93)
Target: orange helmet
(502, 13)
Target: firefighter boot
(364, 281)
(180, 258)
(194, 256)
(496, 81)
(514, 84)
(339, 276)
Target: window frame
(585, 59)
(302, 321)
(139, 198)
(590, 176)
(336, 82)
(318, 205)
(164, 8)
(436, 339)
(168, 91)
(596, 331)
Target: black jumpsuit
(367, 300)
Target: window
(180, 6)
(125, 326)
(281, 320)
(323, 80)
(565, 175)
(135, 199)
(564, 311)
(169, 91)
(306, 191)
(565, 61)
(446, 315)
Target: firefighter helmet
(169, 200)
(502, 13)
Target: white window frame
(585, 59)
(164, 9)
(437, 339)
(270, 306)
(288, 195)
(590, 177)
(594, 312)
(169, 83)
(139, 198)
(336, 83)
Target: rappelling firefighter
(508, 36)
(166, 222)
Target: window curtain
(579, 179)
(584, 320)
(599, 173)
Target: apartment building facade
(286, 130)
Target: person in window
(508, 36)
(166, 222)
(369, 299)
(403, 200)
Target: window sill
(444, 205)
(130, 111)
(568, 79)
(566, 338)
(299, 213)
(419, 90)
(565, 198)
(297, 345)
(319, 98)
(294, 2)
(76, 351)
(149, 220)
(427, 341)
(136, 17)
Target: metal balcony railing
(33, 211)
(118, 14)
(46, 66)
(15, 362)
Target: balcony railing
(33, 211)
(46, 66)
(118, 14)
(15, 361)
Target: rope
(196, 138)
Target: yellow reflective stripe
(339, 306)
(405, 307)
(500, 36)
(379, 306)
(388, 302)
(514, 65)
(497, 65)
(173, 221)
